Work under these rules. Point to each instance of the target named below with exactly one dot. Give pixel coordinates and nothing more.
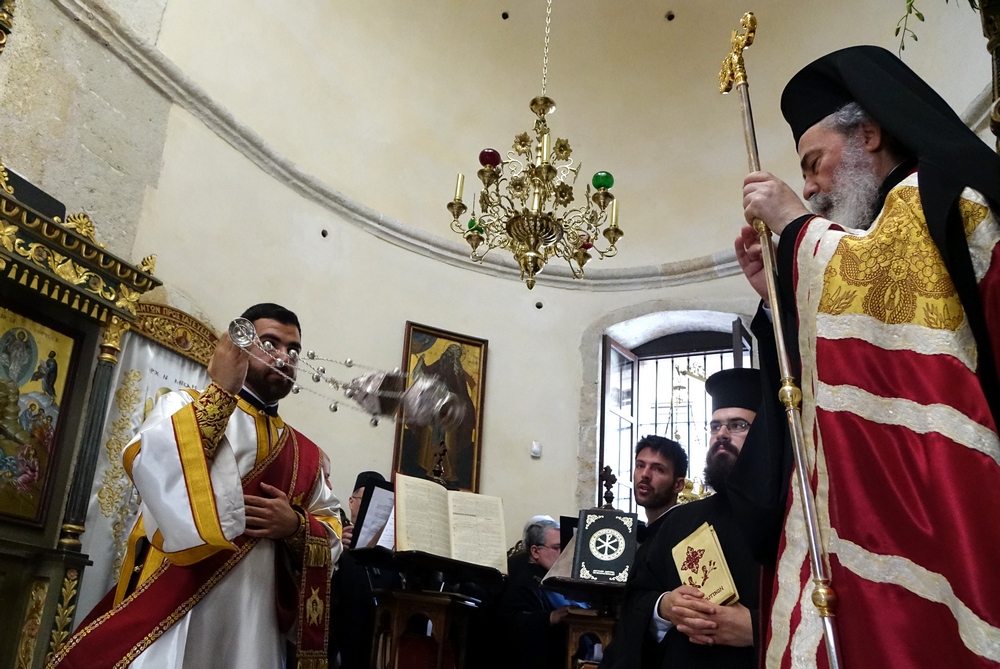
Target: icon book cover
(702, 564)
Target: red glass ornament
(489, 157)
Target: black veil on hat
(735, 388)
(950, 157)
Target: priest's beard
(851, 201)
(718, 466)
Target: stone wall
(78, 122)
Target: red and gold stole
(113, 636)
(902, 451)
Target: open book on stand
(702, 564)
(462, 526)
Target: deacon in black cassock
(658, 476)
(666, 624)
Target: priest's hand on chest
(271, 517)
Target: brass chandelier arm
(824, 598)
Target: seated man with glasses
(533, 614)
(666, 624)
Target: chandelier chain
(545, 53)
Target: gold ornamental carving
(176, 330)
(734, 70)
(32, 623)
(6, 21)
(692, 492)
(82, 225)
(69, 538)
(115, 484)
(6, 16)
(64, 261)
(148, 264)
(127, 299)
(111, 340)
(64, 611)
(4, 177)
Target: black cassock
(655, 573)
(615, 655)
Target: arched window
(658, 387)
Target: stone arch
(632, 326)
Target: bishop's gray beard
(851, 201)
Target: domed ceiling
(386, 101)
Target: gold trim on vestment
(886, 286)
(333, 523)
(169, 621)
(895, 273)
(129, 456)
(201, 494)
(267, 435)
(979, 636)
(212, 410)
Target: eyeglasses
(357, 497)
(557, 547)
(734, 426)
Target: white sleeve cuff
(659, 627)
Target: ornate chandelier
(525, 204)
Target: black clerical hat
(735, 388)
(950, 157)
(884, 86)
(364, 478)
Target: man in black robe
(658, 476)
(352, 614)
(666, 624)
(533, 615)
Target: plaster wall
(391, 99)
